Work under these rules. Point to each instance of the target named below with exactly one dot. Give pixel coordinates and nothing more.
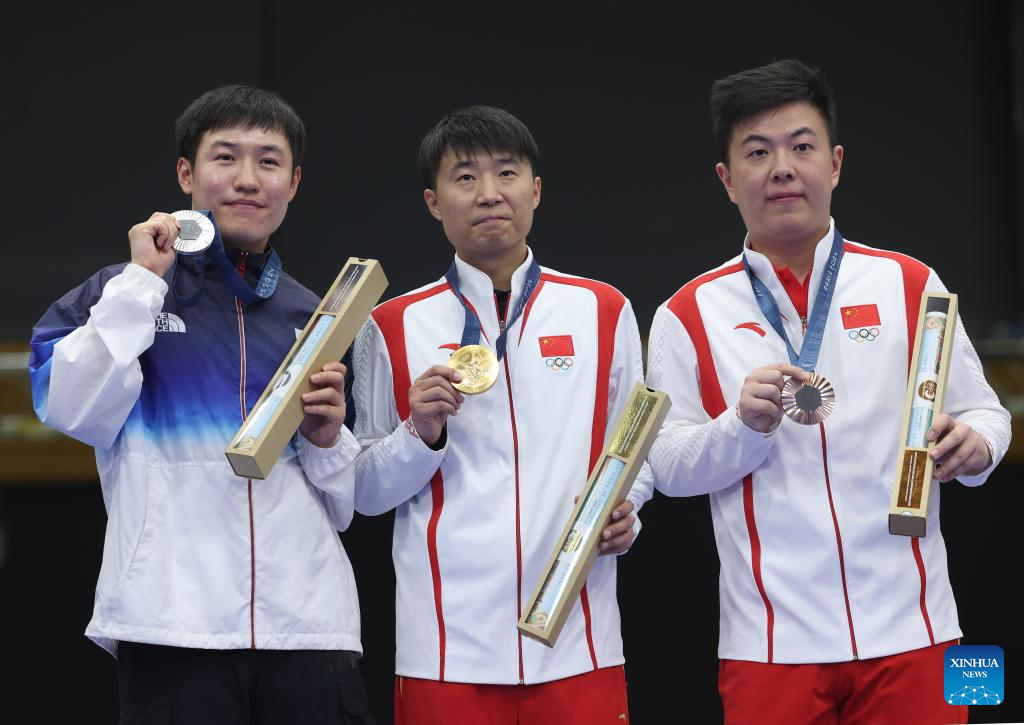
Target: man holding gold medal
(483, 399)
(787, 367)
(225, 600)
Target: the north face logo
(169, 322)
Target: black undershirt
(501, 300)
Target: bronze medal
(809, 402)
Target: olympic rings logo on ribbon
(558, 363)
(864, 334)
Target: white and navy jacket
(477, 520)
(809, 571)
(195, 556)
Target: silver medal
(196, 233)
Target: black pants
(179, 686)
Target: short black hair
(237, 105)
(474, 129)
(748, 94)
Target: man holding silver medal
(481, 446)
(225, 600)
(790, 419)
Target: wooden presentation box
(929, 368)
(569, 565)
(328, 334)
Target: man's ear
(430, 198)
(726, 178)
(296, 178)
(837, 164)
(185, 175)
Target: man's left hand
(617, 537)
(960, 449)
(324, 406)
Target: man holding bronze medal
(787, 366)
(225, 600)
(483, 399)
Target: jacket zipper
(252, 523)
(835, 517)
(515, 450)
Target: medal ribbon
(218, 255)
(471, 329)
(808, 356)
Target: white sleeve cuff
(321, 463)
(136, 274)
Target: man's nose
(246, 178)
(488, 191)
(783, 170)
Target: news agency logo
(974, 674)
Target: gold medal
(479, 368)
(809, 402)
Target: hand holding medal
(432, 399)
(152, 242)
(760, 405)
(155, 241)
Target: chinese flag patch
(859, 316)
(553, 345)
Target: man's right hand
(152, 242)
(760, 404)
(432, 399)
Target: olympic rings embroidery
(864, 334)
(558, 363)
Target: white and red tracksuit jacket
(809, 571)
(477, 520)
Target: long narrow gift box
(577, 548)
(929, 368)
(328, 334)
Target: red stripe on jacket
(609, 306)
(684, 306)
(390, 318)
(915, 277)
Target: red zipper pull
(241, 264)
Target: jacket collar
(762, 267)
(478, 289)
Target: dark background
(616, 95)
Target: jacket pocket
(354, 705)
(145, 534)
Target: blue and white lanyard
(808, 356)
(471, 329)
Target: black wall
(616, 95)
